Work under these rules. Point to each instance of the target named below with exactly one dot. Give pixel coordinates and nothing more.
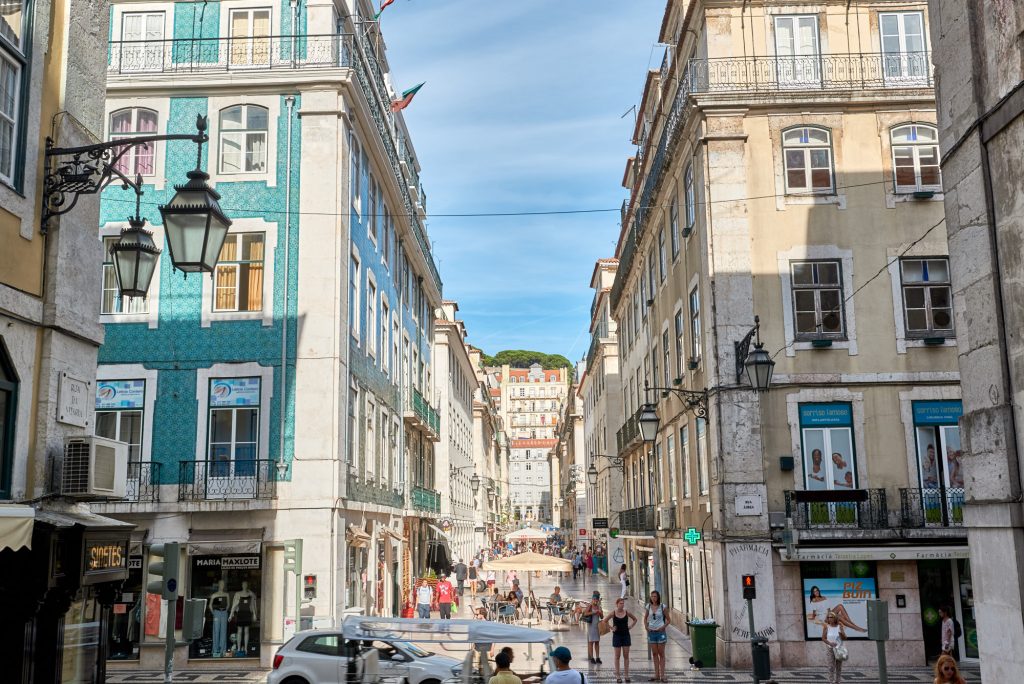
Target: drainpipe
(290, 102)
(295, 31)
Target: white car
(320, 656)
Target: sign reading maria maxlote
(600, 524)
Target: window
(927, 299)
(113, 302)
(673, 226)
(796, 49)
(680, 343)
(691, 200)
(12, 63)
(243, 139)
(915, 158)
(119, 409)
(808, 156)
(234, 427)
(129, 123)
(656, 471)
(353, 402)
(353, 296)
(385, 325)
(385, 251)
(666, 361)
(373, 212)
(371, 317)
(903, 48)
(238, 281)
(325, 645)
(654, 365)
(662, 266)
(355, 177)
(8, 411)
(651, 278)
(142, 47)
(939, 461)
(250, 37)
(817, 299)
(684, 448)
(670, 448)
(702, 455)
(695, 335)
(827, 436)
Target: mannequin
(243, 610)
(220, 601)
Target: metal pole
(750, 619)
(883, 672)
(169, 642)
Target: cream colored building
(788, 168)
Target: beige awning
(393, 533)
(16, 526)
(355, 536)
(530, 561)
(528, 534)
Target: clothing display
(220, 632)
(243, 614)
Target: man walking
(445, 593)
(424, 597)
(460, 576)
(564, 674)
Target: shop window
(125, 627)
(817, 299)
(843, 588)
(807, 153)
(243, 139)
(234, 427)
(238, 281)
(927, 297)
(120, 405)
(113, 302)
(8, 414)
(232, 587)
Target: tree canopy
(523, 358)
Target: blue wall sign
(120, 394)
(825, 414)
(937, 412)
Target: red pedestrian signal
(749, 587)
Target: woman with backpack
(592, 616)
(950, 633)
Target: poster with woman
(847, 597)
(927, 457)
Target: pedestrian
(564, 674)
(946, 671)
(460, 576)
(621, 621)
(491, 579)
(623, 581)
(592, 616)
(656, 622)
(949, 629)
(424, 597)
(503, 673)
(834, 634)
(511, 577)
(445, 593)
(474, 575)
(511, 655)
(577, 562)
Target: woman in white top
(623, 581)
(656, 623)
(833, 634)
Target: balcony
(143, 484)
(227, 480)
(419, 413)
(368, 491)
(629, 433)
(427, 500)
(857, 509)
(932, 508)
(642, 519)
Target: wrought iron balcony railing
(628, 433)
(227, 479)
(143, 483)
(932, 507)
(641, 519)
(424, 499)
(368, 491)
(421, 410)
(838, 509)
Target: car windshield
(412, 649)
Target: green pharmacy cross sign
(692, 536)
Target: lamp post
(193, 220)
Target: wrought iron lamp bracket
(743, 347)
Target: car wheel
(295, 680)
(430, 681)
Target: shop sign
(583, 532)
(135, 562)
(245, 562)
(227, 392)
(446, 524)
(879, 553)
(812, 415)
(104, 559)
(120, 394)
(937, 412)
(600, 524)
(847, 597)
(479, 529)
(73, 401)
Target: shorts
(656, 637)
(621, 640)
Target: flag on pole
(383, 4)
(403, 102)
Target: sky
(522, 111)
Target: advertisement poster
(120, 394)
(227, 392)
(845, 596)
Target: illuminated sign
(104, 560)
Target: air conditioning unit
(666, 518)
(94, 468)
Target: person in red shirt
(445, 593)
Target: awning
(883, 553)
(89, 520)
(221, 542)
(355, 536)
(16, 527)
(393, 533)
(444, 536)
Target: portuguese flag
(383, 5)
(403, 102)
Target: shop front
(126, 617)
(947, 583)
(232, 584)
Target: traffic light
(309, 587)
(163, 563)
(749, 587)
(293, 556)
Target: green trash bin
(702, 643)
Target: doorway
(947, 582)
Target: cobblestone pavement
(641, 669)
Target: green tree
(524, 358)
